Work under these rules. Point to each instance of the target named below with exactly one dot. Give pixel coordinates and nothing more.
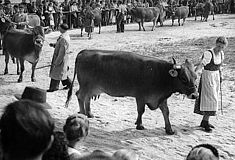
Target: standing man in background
(21, 18)
(120, 17)
(60, 61)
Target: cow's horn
(174, 61)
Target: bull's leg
(179, 21)
(165, 111)
(89, 35)
(6, 61)
(172, 21)
(183, 21)
(139, 26)
(88, 108)
(140, 110)
(154, 24)
(21, 70)
(81, 31)
(33, 71)
(18, 66)
(80, 98)
(213, 15)
(142, 24)
(99, 27)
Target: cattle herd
(114, 72)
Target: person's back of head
(76, 127)
(203, 152)
(125, 154)
(97, 155)
(26, 130)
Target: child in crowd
(125, 154)
(76, 128)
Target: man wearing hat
(34, 94)
(21, 18)
(60, 61)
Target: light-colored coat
(60, 60)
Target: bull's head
(5, 23)
(38, 34)
(185, 78)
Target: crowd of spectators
(53, 13)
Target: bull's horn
(173, 60)
(46, 27)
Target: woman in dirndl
(208, 101)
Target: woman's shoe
(205, 123)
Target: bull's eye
(184, 79)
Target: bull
(203, 10)
(142, 14)
(151, 81)
(21, 44)
(180, 13)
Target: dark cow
(21, 44)
(143, 14)
(203, 10)
(180, 13)
(151, 81)
(208, 9)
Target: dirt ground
(113, 126)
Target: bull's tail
(71, 87)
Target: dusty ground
(113, 126)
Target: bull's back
(118, 73)
(182, 12)
(18, 44)
(148, 14)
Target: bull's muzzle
(39, 42)
(193, 95)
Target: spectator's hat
(76, 127)
(21, 6)
(64, 26)
(34, 94)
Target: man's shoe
(66, 87)
(205, 123)
(52, 90)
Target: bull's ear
(173, 73)
(3, 20)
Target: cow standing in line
(21, 44)
(180, 13)
(151, 81)
(142, 14)
(204, 10)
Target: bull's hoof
(90, 115)
(140, 127)
(170, 132)
(19, 80)
(33, 79)
(5, 72)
